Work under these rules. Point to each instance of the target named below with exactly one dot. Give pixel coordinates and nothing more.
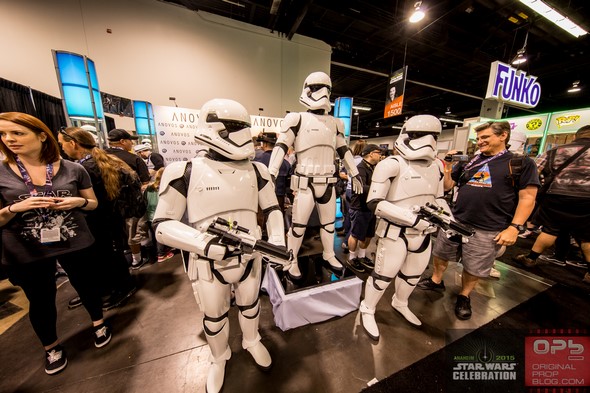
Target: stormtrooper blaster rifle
(231, 234)
(440, 218)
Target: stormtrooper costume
(401, 184)
(223, 184)
(316, 138)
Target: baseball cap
(369, 148)
(141, 147)
(117, 134)
(268, 137)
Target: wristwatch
(521, 228)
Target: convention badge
(50, 235)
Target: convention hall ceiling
(448, 54)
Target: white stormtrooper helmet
(224, 126)
(517, 141)
(146, 141)
(316, 91)
(417, 140)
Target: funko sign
(513, 86)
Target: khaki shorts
(477, 255)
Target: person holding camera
(488, 201)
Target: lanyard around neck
(85, 158)
(29, 182)
(477, 157)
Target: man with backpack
(487, 200)
(565, 198)
(121, 145)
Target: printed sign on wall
(175, 130)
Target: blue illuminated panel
(343, 110)
(141, 110)
(72, 75)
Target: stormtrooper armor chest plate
(416, 184)
(315, 145)
(224, 189)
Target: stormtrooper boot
(259, 354)
(335, 265)
(294, 271)
(368, 321)
(216, 373)
(402, 308)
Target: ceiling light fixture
(575, 87)
(418, 14)
(554, 16)
(234, 3)
(521, 53)
(450, 120)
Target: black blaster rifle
(440, 218)
(231, 234)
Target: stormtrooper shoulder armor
(172, 172)
(386, 169)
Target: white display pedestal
(312, 304)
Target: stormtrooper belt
(300, 182)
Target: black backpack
(131, 201)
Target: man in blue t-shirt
(487, 200)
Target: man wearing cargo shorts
(494, 203)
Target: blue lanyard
(86, 158)
(29, 182)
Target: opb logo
(574, 350)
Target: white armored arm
(285, 140)
(347, 158)
(267, 200)
(384, 174)
(178, 235)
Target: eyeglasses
(377, 152)
(62, 130)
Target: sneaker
(356, 265)
(367, 262)
(345, 248)
(165, 257)
(74, 302)
(138, 264)
(103, 335)
(580, 264)
(526, 261)
(495, 273)
(428, 285)
(463, 307)
(527, 234)
(55, 360)
(552, 259)
(117, 298)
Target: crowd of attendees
(58, 192)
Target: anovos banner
(513, 86)
(394, 100)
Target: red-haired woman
(42, 198)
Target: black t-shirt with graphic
(486, 198)
(21, 236)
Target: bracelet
(85, 204)
(10, 211)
